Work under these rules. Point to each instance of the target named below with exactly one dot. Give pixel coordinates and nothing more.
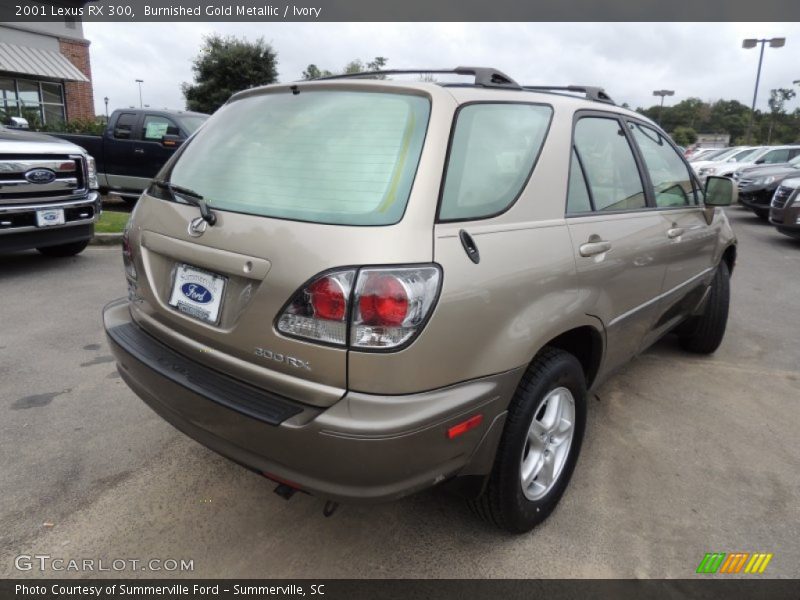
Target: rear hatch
(301, 181)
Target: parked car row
(768, 178)
(747, 157)
(757, 184)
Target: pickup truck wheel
(64, 249)
(703, 334)
(539, 446)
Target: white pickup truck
(48, 194)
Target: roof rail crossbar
(591, 92)
(484, 76)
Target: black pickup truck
(134, 146)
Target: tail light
(319, 310)
(391, 305)
(127, 252)
(385, 308)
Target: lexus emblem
(197, 227)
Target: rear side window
(608, 164)
(337, 157)
(671, 180)
(492, 153)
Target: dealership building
(45, 74)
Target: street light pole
(106, 101)
(752, 43)
(662, 93)
(140, 82)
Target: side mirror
(171, 141)
(760, 161)
(720, 191)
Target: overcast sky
(630, 60)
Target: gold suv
(363, 287)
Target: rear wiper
(191, 197)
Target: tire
(703, 334)
(63, 250)
(503, 502)
(762, 213)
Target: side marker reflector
(464, 426)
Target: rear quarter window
(492, 154)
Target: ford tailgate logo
(40, 175)
(196, 293)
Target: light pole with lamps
(140, 82)
(106, 101)
(662, 93)
(752, 43)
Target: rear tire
(703, 334)
(63, 250)
(513, 500)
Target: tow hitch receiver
(284, 491)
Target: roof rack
(591, 92)
(484, 76)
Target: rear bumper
(363, 448)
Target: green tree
(313, 72)
(226, 65)
(684, 136)
(354, 66)
(777, 103)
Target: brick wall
(79, 95)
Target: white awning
(24, 60)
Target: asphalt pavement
(683, 455)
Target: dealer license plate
(197, 293)
(49, 217)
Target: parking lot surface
(683, 455)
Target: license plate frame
(198, 293)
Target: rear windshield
(338, 157)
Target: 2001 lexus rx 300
(363, 288)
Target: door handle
(138, 151)
(594, 248)
(675, 232)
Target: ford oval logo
(40, 176)
(196, 293)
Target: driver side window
(672, 182)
